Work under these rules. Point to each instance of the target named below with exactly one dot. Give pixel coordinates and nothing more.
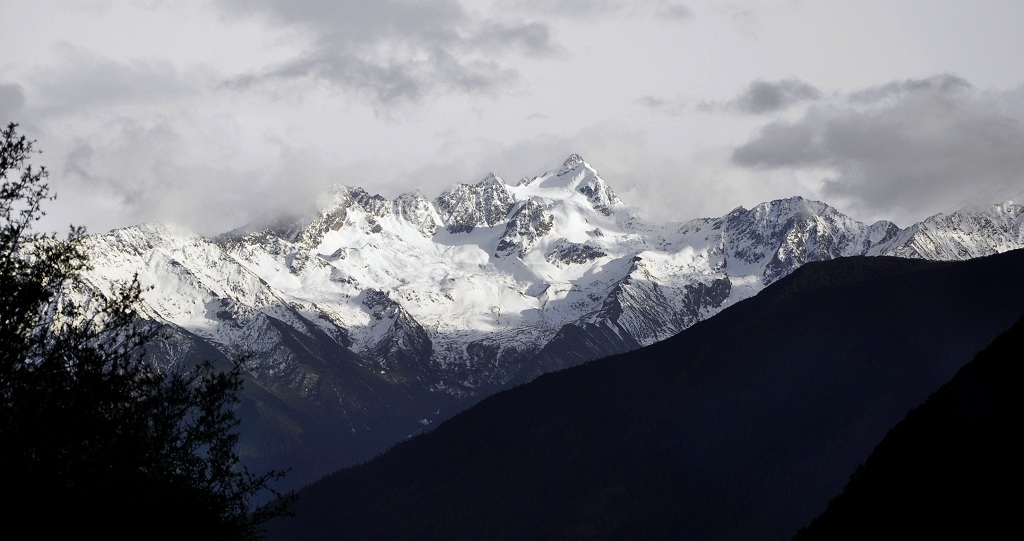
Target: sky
(213, 114)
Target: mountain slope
(945, 470)
(740, 427)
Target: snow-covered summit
(504, 267)
(484, 286)
(961, 235)
(572, 162)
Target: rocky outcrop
(398, 342)
(528, 223)
(571, 253)
(417, 210)
(483, 204)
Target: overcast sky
(210, 114)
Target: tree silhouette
(92, 437)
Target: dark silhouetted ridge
(950, 469)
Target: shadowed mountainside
(741, 427)
(948, 469)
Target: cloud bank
(396, 51)
(895, 149)
(214, 114)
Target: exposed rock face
(599, 194)
(375, 205)
(528, 223)
(570, 253)
(418, 211)
(401, 343)
(483, 204)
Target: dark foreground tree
(93, 439)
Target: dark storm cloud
(767, 97)
(903, 148)
(395, 50)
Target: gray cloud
(673, 106)
(745, 18)
(785, 145)
(673, 11)
(939, 85)
(529, 37)
(758, 98)
(566, 8)
(764, 97)
(597, 9)
(12, 99)
(82, 81)
(767, 97)
(148, 170)
(396, 50)
(903, 150)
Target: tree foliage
(89, 431)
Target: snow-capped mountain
(372, 317)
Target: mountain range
(742, 426)
(368, 320)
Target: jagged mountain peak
(573, 161)
(784, 214)
(574, 176)
(962, 234)
(791, 206)
(286, 226)
(565, 176)
(575, 166)
(154, 229)
(1006, 210)
(415, 208)
(491, 178)
(484, 204)
(293, 225)
(340, 205)
(412, 195)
